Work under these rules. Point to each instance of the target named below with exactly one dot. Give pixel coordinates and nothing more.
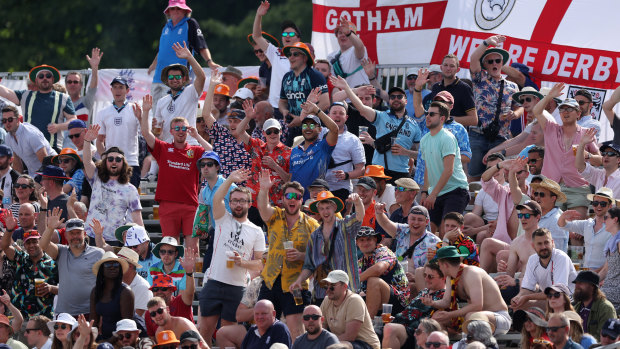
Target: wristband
(373, 78)
(503, 152)
(497, 165)
(351, 32)
(485, 43)
(43, 209)
(416, 90)
(346, 175)
(189, 274)
(209, 61)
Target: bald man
(267, 330)
(437, 337)
(316, 337)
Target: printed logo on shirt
(180, 31)
(118, 121)
(190, 153)
(170, 150)
(171, 107)
(179, 165)
(166, 31)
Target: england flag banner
(571, 41)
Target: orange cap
(223, 90)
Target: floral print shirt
(486, 90)
(416, 310)
(26, 271)
(281, 154)
(394, 276)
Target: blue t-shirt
(206, 196)
(47, 108)
(277, 333)
(296, 89)
(435, 149)
(409, 134)
(169, 36)
(310, 164)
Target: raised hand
(147, 103)
(42, 195)
(422, 79)
(380, 208)
(84, 327)
(240, 175)
(188, 261)
(345, 24)
(265, 179)
(181, 51)
(95, 58)
(556, 90)
(339, 82)
(518, 164)
(93, 131)
(370, 68)
(314, 95)
(191, 130)
(354, 197)
(588, 137)
(9, 220)
(248, 108)
(263, 8)
(366, 90)
(571, 215)
(72, 198)
(310, 108)
(97, 227)
(5, 298)
(495, 40)
(216, 77)
(53, 218)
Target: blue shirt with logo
(386, 122)
(310, 164)
(296, 89)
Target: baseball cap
(412, 71)
(236, 114)
(530, 205)
(571, 102)
(420, 210)
(271, 123)
(367, 183)
(335, 276)
(558, 288)
(396, 89)
(588, 276)
(190, 335)
(244, 93)
(135, 236)
(121, 80)
(74, 224)
(5, 150)
(77, 123)
(321, 183)
(611, 328)
(314, 118)
(444, 96)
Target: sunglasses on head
(71, 82)
(61, 326)
(110, 265)
(272, 131)
(412, 77)
(175, 77)
(311, 126)
(496, 60)
(289, 34)
(114, 159)
(292, 196)
(206, 163)
(609, 153)
(539, 194)
(193, 346)
(554, 328)
(433, 344)
(75, 135)
(160, 289)
(22, 186)
(602, 203)
(524, 215)
(9, 119)
(44, 76)
(312, 316)
(180, 128)
(393, 97)
(554, 295)
(158, 311)
(526, 99)
(399, 188)
(257, 51)
(170, 252)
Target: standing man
(591, 304)
(113, 197)
(236, 239)
(584, 99)
(316, 337)
(44, 108)
(170, 254)
(75, 262)
(444, 175)
(283, 266)
(73, 82)
(77, 130)
(52, 179)
(393, 156)
(347, 62)
(493, 98)
(119, 127)
(177, 186)
(267, 330)
(27, 142)
(558, 330)
(8, 176)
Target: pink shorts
(175, 217)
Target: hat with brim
(222, 90)
(368, 231)
(569, 102)
(319, 183)
(166, 337)
(396, 89)
(375, 171)
(534, 314)
(163, 281)
(177, 3)
(123, 228)
(478, 317)
(126, 325)
(110, 256)
(300, 46)
(68, 152)
(62, 318)
(168, 240)
(528, 90)
(588, 276)
(130, 256)
(326, 196)
(552, 186)
(449, 252)
(604, 193)
(272, 39)
(545, 91)
(558, 288)
(33, 234)
(500, 51)
(610, 144)
(34, 71)
(407, 183)
(175, 66)
(233, 71)
(336, 276)
(53, 172)
(248, 80)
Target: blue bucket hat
(210, 155)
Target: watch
(485, 43)
(189, 274)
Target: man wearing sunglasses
(27, 142)
(315, 337)
(165, 321)
(128, 334)
(558, 330)
(171, 255)
(593, 230)
(493, 125)
(8, 175)
(37, 333)
(609, 175)
(585, 101)
(47, 110)
(437, 340)
(178, 305)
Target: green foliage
(62, 32)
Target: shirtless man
(161, 316)
(473, 284)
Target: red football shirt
(178, 172)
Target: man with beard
(128, 335)
(267, 330)
(112, 195)
(310, 159)
(316, 337)
(584, 99)
(395, 160)
(177, 186)
(238, 242)
(547, 267)
(31, 263)
(160, 313)
(27, 142)
(74, 261)
(179, 305)
(591, 304)
(44, 108)
(609, 175)
(8, 175)
(283, 265)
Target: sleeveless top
(110, 313)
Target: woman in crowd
(477, 331)
(557, 299)
(8, 309)
(576, 330)
(610, 274)
(24, 191)
(61, 327)
(532, 324)
(110, 300)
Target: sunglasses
(258, 51)
(180, 128)
(602, 203)
(206, 163)
(110, 265)
(554, 295)
(44, 76)
(65, 160)
(193, 346)
(160, 289)
(9, 119)
(308, 126)
(554, 328)
(524, 215)
(393, 97)
(609, 153)
(295, 54)
(75, 135)
(289, 34)
(526, 99)
(22, 186)
(566, 110)
(114, 159)
(313, 317)
(583, 102)
(539, 194)
(293, 196)
(170, 252)
(167, 347)
(532, 161)
(126, 335)
(412, 77)
(175, 77)
(433, 344)
(31, 329)
(71, 82)
(496, 60)
(158, 311)
(61, 326)
(429, 276)
(399, 188)
(432, 114)
(239, 201)
(272, 131)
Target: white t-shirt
(230, 235)
(348, 63)
(279, 66)
(120, 130)
(489, 206)
(185, 105)
(29, 141)
(560, 270)
(388, 197)
(141, 292)
(349, 147)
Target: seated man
(383, 278)
(473, 284)
(346, 314)
(558, 329)
(233, 335)
(547, 267)
(267, 330)
(179, 305)
(316, 337)
(591, 301)
(453, 236)
(401, 331)
(406, 190)
(610, 333)
(160, 313)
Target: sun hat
(52, 171)
(62, 318)
(168, 240)
(375, 171)
(177, 3)
(126, 325)
(163, 280)
(110, 256)
(175, 66)
(34, 71)
(300, 46)
(248, 80)
(534, 314)
(67, 152)
(603, 192)
(326, 195)
(223, 90)
(552, 186)
(527, 90)
(166, 337)
(130, 256)
(449, 252)
(500, 51)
